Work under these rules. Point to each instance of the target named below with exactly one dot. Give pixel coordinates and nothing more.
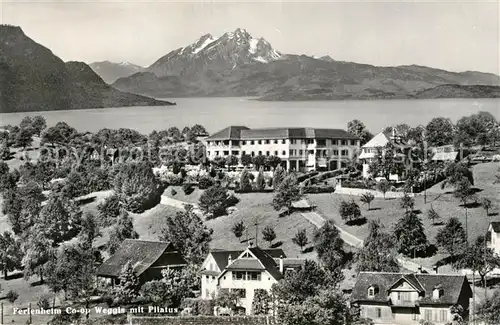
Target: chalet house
(408, 298)
(446, 153)
(493, 236)
(148, 258)
(244, 271)
(370, 150)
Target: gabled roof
(379, 140)
(245, 133)
(141, 254)
(409, 278)
(496, 226)
(267, 261)
(451, 284)
(221, 256)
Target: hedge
(318, 189)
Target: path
(317, 220)
(166, 200)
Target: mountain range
(237, 64)
(32, 78)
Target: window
(335, 152)
(293, 141)
(321, 142)
(208, 143)
(244, 142)
(252, 142)
(242, 293)
(243, 153)
(268, 153)
(260, 153)
(371, 292)
(259, 142)
(239, 276)
(428, 315)
(254, 276)
(344, 142)
(283, 153)
(235, 153)
(216, 153)
(378, 312)
(310, 141)
(247, 255)
(253, 153)
(235, 142)
(291, 152)
(226, 152)
(443, 316)
(276, 153)
(267, 141)
(344, 152)
(283, 141)
(335, 142)
(275, 141)
(301, 152)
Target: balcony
(404, 303)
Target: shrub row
(204, 307)
(318, 189)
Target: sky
(451, 35)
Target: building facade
(301, 149)
(493, 236)
(244, 272)
(408, 298)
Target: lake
(217, 113)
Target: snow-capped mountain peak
(228, 51)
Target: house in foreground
(300, 149)
(148, 259)
(408, 298)
(244, 271)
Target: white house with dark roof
(407, 298)
(244, 271)
(493, 236)
(302, 149)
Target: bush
(43, 302)
(173, 192)
(203, 307)
(188, 189)
(205, 182)
(318, 189)
(108, 210)
(232, 200)
(11, 296)
(368, 185)
(173, 179)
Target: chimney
(229, 260)
(435, 269)
(281, 264)
(420, 269)
(250, 244)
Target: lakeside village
(280, 226)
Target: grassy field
(193, 197)
(389, 211)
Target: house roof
(496, 226)
(451, 284)
(301, 204)
(379, 140)
(267, 261)
(141, 254)
(291, 262)
(445, 156)
(246, 264)
(245, 133)
(221, 256)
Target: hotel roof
(245, 133)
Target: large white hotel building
(301, 149)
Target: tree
(349, 211)
(433, 215)
(407, 202)
(246, 160)
(199, 130)
(5, 153)
(214, 201)
(357, 128)
(123, 229)
(298, 285)
(452, 236)
(367, 198)
(38, 124)
(261, 302)
(60, 218)
(187, 232)
(227, 298)
(258, 161)
(383, 186)
(26, 122)
(454, 173)
(260, 182)
(219, 161)
(486, 204)
(38, 250)
(245, 182)
(273, 161)
(10, 253)
(89, 229)
(378, 253)
(128, 287)
(439, 131)
(108, 210)
(238, 229)
(301, 239)
(410, 235)
(487, 312)
(268, 234)
(464, 193)
(478, 258)
(330, 247)
(278, 176)
(61, 133)
(137, 186)
(231, 161)
(386, 161)
(24, 138)
(286, 193)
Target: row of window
(429, 315)
(244, 275)
(292, 152)
(319, 142)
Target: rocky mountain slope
(110, 71)
(237, 64)
(32, 78)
